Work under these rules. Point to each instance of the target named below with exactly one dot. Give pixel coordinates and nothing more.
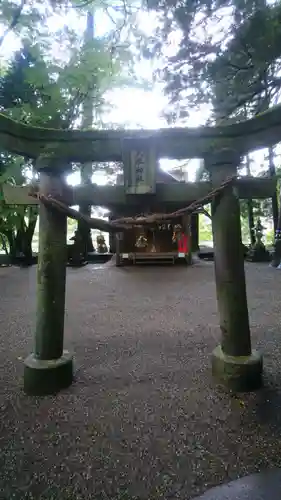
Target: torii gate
(49, 368)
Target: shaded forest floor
(144, 419)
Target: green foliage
(205, 229)
(269, 238)
(257, 208)
(227, 54)
(38, 92)
(182, 64)
(27, 19)
(24, 91)
(42, 87)
(17, 223)
(245, 72)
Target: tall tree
(18, 97)
(246, 74)
(41, 87)
(87, 123)
(32, 90)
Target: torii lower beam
(180, 193)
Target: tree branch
(13, 22)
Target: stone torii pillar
(49, 368)
(234, 362)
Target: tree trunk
(87, 168)
(276, 258)
(112, 245)
(12, 247)
(251, 220)
(20, 242)
(4, 244)
(118, 238)
(27, 241)
(272, 173)
(85, 232)
(195, 232)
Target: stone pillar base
(241, 373)
(46, 377)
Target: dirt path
(144, 419)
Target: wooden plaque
(140, 163)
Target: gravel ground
(144, 419)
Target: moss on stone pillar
(49, 368)
(234, 363)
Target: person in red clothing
(183, 244)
